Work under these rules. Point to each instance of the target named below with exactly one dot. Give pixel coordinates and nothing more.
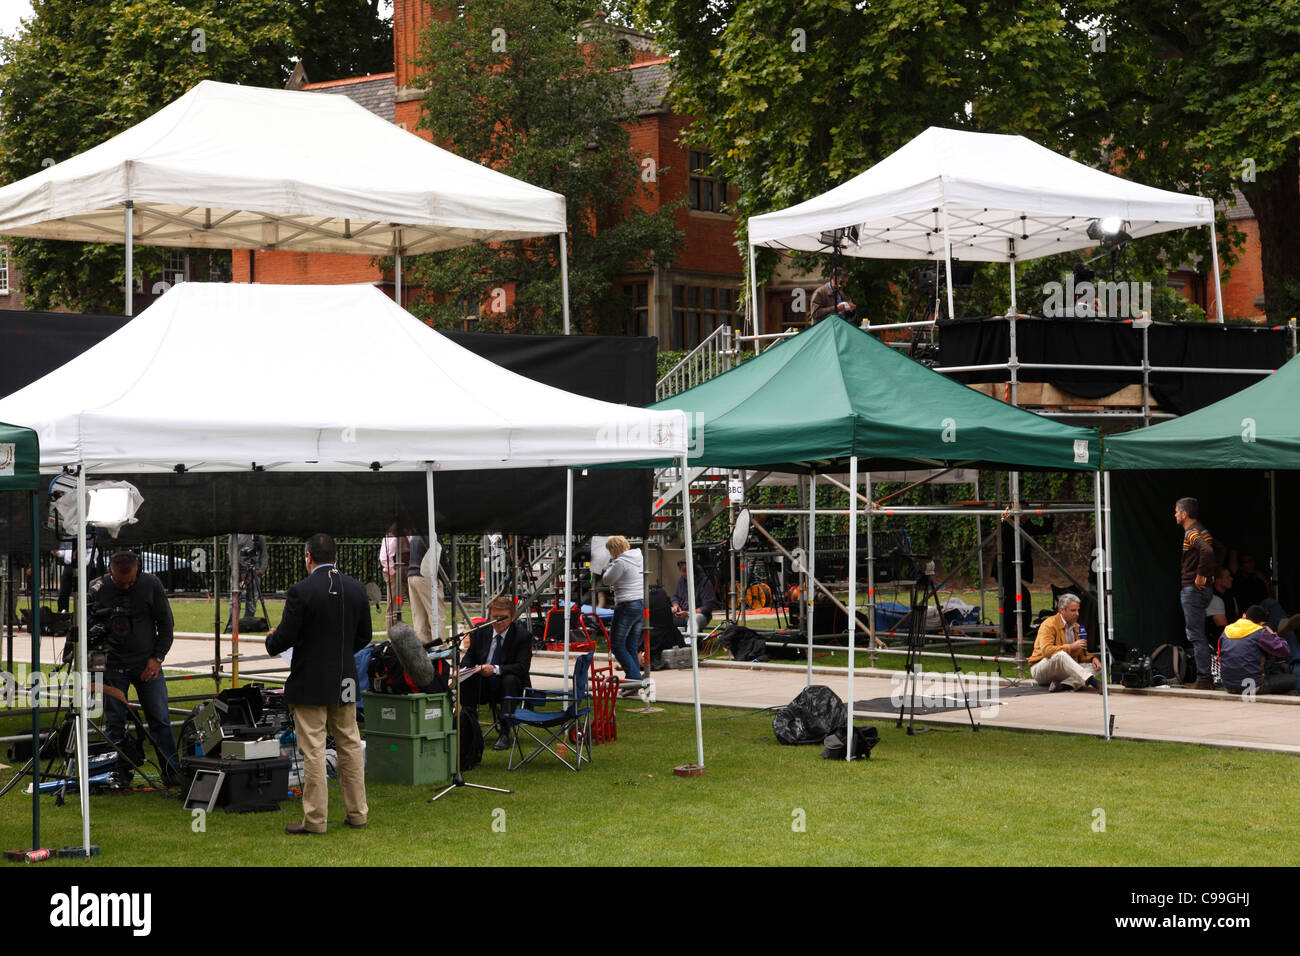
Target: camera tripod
(922, 593)
(65, 730)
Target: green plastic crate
(413, 761)
(407, 715)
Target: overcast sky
(11, 11)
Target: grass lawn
(948, 797)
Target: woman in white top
(625, 575)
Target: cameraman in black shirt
(136, 652)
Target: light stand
(457, 778)
(923, 590)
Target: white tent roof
(995, 189)
(234, 167)
(217, 377)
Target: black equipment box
(249, 786)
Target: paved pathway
(1211, 718)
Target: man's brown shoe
(297, 829)
(354, 826)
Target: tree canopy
(540, 91)
(81, 71)
(795, 98)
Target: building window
(698, 310)
(176, 268)
(638, 296)
(707, 191)
(4, 270)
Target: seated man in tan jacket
(1061, 660)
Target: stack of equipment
(409, 738)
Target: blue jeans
(1195, 601)
(625, 636)
(153, 700)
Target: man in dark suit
(503, 653)
(326, 621)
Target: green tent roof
(833, 391)
(1259, 427)
(20, 459)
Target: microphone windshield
(414, 658)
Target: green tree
(794, 99)
(1203, 96)
(536, 90)
(82, 71)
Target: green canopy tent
(20, 472)
(834, 396)
(1240, 457)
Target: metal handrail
(711, 357)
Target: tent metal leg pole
(568, 567)
(236, 611)
(83, 704)
(397, 272)
(947, 259)
(810, 569)
(871, 577)
(1273, 574)
(216, 612)
(1099, 567)
(1012, 243)
(753, 296)
(688, 535)
(130, 266)
(1017, 579)
(979, 536)
(564, 294)
(436, 613)
(35, 699)
(1218, 286)
(853, 596)
(1108, 544)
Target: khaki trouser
(1063, 668)
(417, 586)
(310, 723)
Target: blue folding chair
(549, 728)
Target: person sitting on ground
(705, 598)
(1250, 584)
(1222, 609)
(1244, 648)
(1061, 660)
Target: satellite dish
(796, 561)
(740, 533)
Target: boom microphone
(409, 650)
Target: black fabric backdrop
(1102, 342)
(521, 501)
(1147, 545)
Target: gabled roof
(1257, 428)
(1004, 196)
(236, 167)
(834, 391)
(225, 377)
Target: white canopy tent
(236, 167)
(979, 197)
(320, 349)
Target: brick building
(680, 303)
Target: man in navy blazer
(504, 653)
(326, 621)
